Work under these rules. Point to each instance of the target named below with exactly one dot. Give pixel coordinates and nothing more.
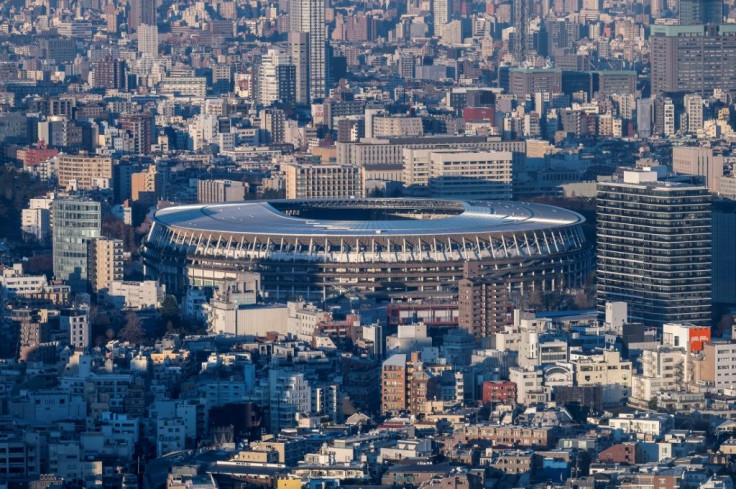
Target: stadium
(397, 248)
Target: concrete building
(221, 191)
(482, 306)
(718, 368)
(441, 10)
(146, 186)
(140, 128)
(104, 263)
(694, 112)
(523, 81)
(76, 322)
(384, 126)
(693, 58)
(83, 172)
(503, 392)
(289, 395)
(663, 369)
(147, 294)
(673, 219)
(195, 86)
(698, 12)
(605, 369)
(394, 377)
(36, 220)
(390, 151)
(483, 175)
(148, 40)
(699, 161)
(307, 181)
(528, 383)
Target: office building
(308, 17)
(654, 249)
(455, 172)
(693, 58)
(221, 191)
(695, 12)
(307, 181)
(390, 151)
(699, 161)
(104, 263)
(275, 78)
(483, 175)
(75, 223)
(724, 259)
(527, 81)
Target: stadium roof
(366, 217)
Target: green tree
(169, 308)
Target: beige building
(83, 172)
(221, 191)
(390, 151)
(104, 262)
(146, 185)
(471, 175)
(459, 173)
(699, 161)
(528, 382)
(718, 366)
(663, 369)
(605, 369)
(384, 126)
(307, 181)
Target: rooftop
(366, 217)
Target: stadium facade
(398, 248)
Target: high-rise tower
(654, 249)
(308, 17)
(695, 12)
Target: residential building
(82, 172)
(668, 280)
(104, 263)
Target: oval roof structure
(366, 217)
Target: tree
(112, 227)
(169, 308)
(132, 332)
(16, 188)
